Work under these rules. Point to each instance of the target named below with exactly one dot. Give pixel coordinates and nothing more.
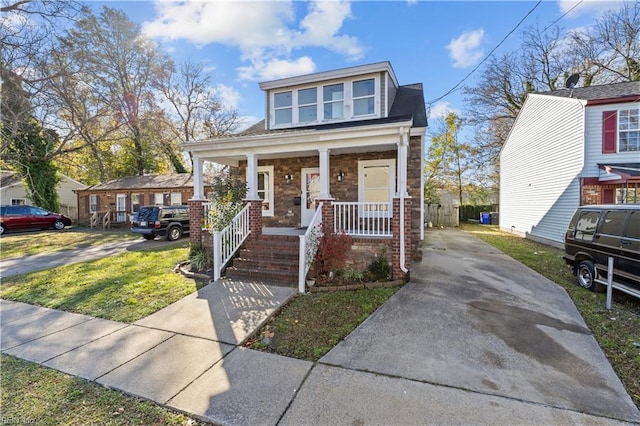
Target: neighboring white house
(568, 148)
(13, 192)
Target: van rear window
(586, 226)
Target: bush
(379, 268)
(331, 253)
(198, 258)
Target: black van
(161, 221)
(598, 232)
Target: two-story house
(350, 140)
(569, 148)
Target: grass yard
(125, 287)
(40, 396)
(311, 325)
(617, 331)
(30, 243)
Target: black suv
(598, 232)
(163, 221)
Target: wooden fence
(441, 215)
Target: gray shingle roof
(605, 91)
(7, 177)
(180, 180)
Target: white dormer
(349, 94)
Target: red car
(15, 218)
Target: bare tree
(197, 111)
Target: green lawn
(125, 287)
(40, 396)
(617, 331)
(30, 243)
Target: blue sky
(434, 42)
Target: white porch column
(252, 177)
(325, 174)
(403, 150)
(198, 180)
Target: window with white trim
(333, 97)
(18, 202)
(364, 96)
(376, 185)
(283, 107)
(93, 203)
(176, 198)
(265, 189)
(307, 105)
(158, 199)
(629, 130)
(135, 203)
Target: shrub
(198, 258)
(331, 254)
(379, 268)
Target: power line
(565, 14)
(454, 88)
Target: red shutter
(609, 131)
(608, 196)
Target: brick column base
(255, 218)
(327, 215)
(196, 219)
(396, 271)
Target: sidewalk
(475, 338)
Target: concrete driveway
(474, 338)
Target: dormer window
(283, 107)
(364, 94)
(333, 101)
(308, 105)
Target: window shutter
(609, 131)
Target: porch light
(288, 177)
(340, 176)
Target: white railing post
(302, 269)
(217, 256)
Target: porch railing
(363, 218)
(229, 240)
(309, 246)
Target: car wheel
(3, 228)
(148, 237)
(586, 274)
(58, 225)
(174, 233)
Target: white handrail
(309, 246)
(229, 240)
(366, 219)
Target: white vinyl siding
(540, 168)
(593, 152)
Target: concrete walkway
(475, 338)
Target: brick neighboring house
(569, 148)
(13, 192)
(351, 139)
(123, 197)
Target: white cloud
(228, 95)
(597, 7)
(273, 69)
(465, 50)
(265, 32)
(441, 110)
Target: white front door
(310, 192)
(121, 207)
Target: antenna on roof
(571, 83)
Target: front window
(629, 130)
(333, 97)
(307, 105)
(158, 199)
(265, 189)
(376, 185)
(176, 198)
(135, 203)
(18, 202)
(627, 196)
(93, 203)
(282, 103)
(364, 92)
